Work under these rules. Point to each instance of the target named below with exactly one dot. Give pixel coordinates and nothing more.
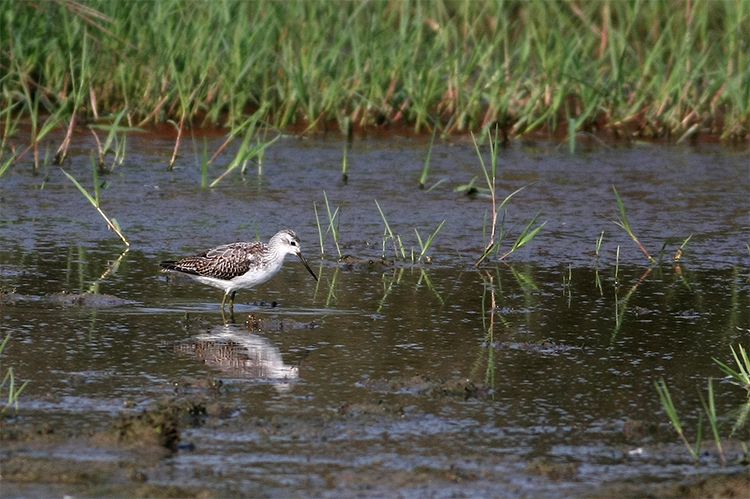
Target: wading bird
(236, 266)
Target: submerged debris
(424, 385)
(257, 322)
(86, 300)
(350, 262)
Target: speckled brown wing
(222, 262)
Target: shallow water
(380, 377)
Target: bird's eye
(293, 243)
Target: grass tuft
(643, 69)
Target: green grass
(95, 200)
(9, 384)
(426, 165)
(498, 232)
(399, 250)
(740, 377)
(398, 247)
(334, 220)
(623, 222)
(648, 69)
(669, 408)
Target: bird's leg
(231, 302)
(222, 302)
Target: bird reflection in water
(241, 354)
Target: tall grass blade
(741, 376)
(669, 408)
(426, 165)
(333, 223)
(623, 222)
(424, 247)
(709, 408)
(95, 203)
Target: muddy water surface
(531, 377)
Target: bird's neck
(273, 257)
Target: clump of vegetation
(741, 377)
(399, 249)
(334, 221)
(498, 232)
(647, 69)
(9, 384)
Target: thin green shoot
(333, 223)
(709, 406)
(425, 246)
(179, 127)
(10, 125)
(741, 422)
(527, 235)
(669, 408)
(572, 129)
(37, 132)
(320, 229)
(4, 166)
(426, 166)
(490, 177)
(497, 234)
(599, 244)
(403, 249)
(245, 153)
(204, 165)
(436, 184)
(103, 149)
(623, 222)
(9, 380)
(741, 376)
(348, 128)
(95, 202)
(80, 86)
(617, 266)
(249, 125)
(120, 147)
(681, 250)
(398, 247)
(568, 279)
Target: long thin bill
(304, 262)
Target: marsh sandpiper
(236, 266)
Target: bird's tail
(168, 265)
